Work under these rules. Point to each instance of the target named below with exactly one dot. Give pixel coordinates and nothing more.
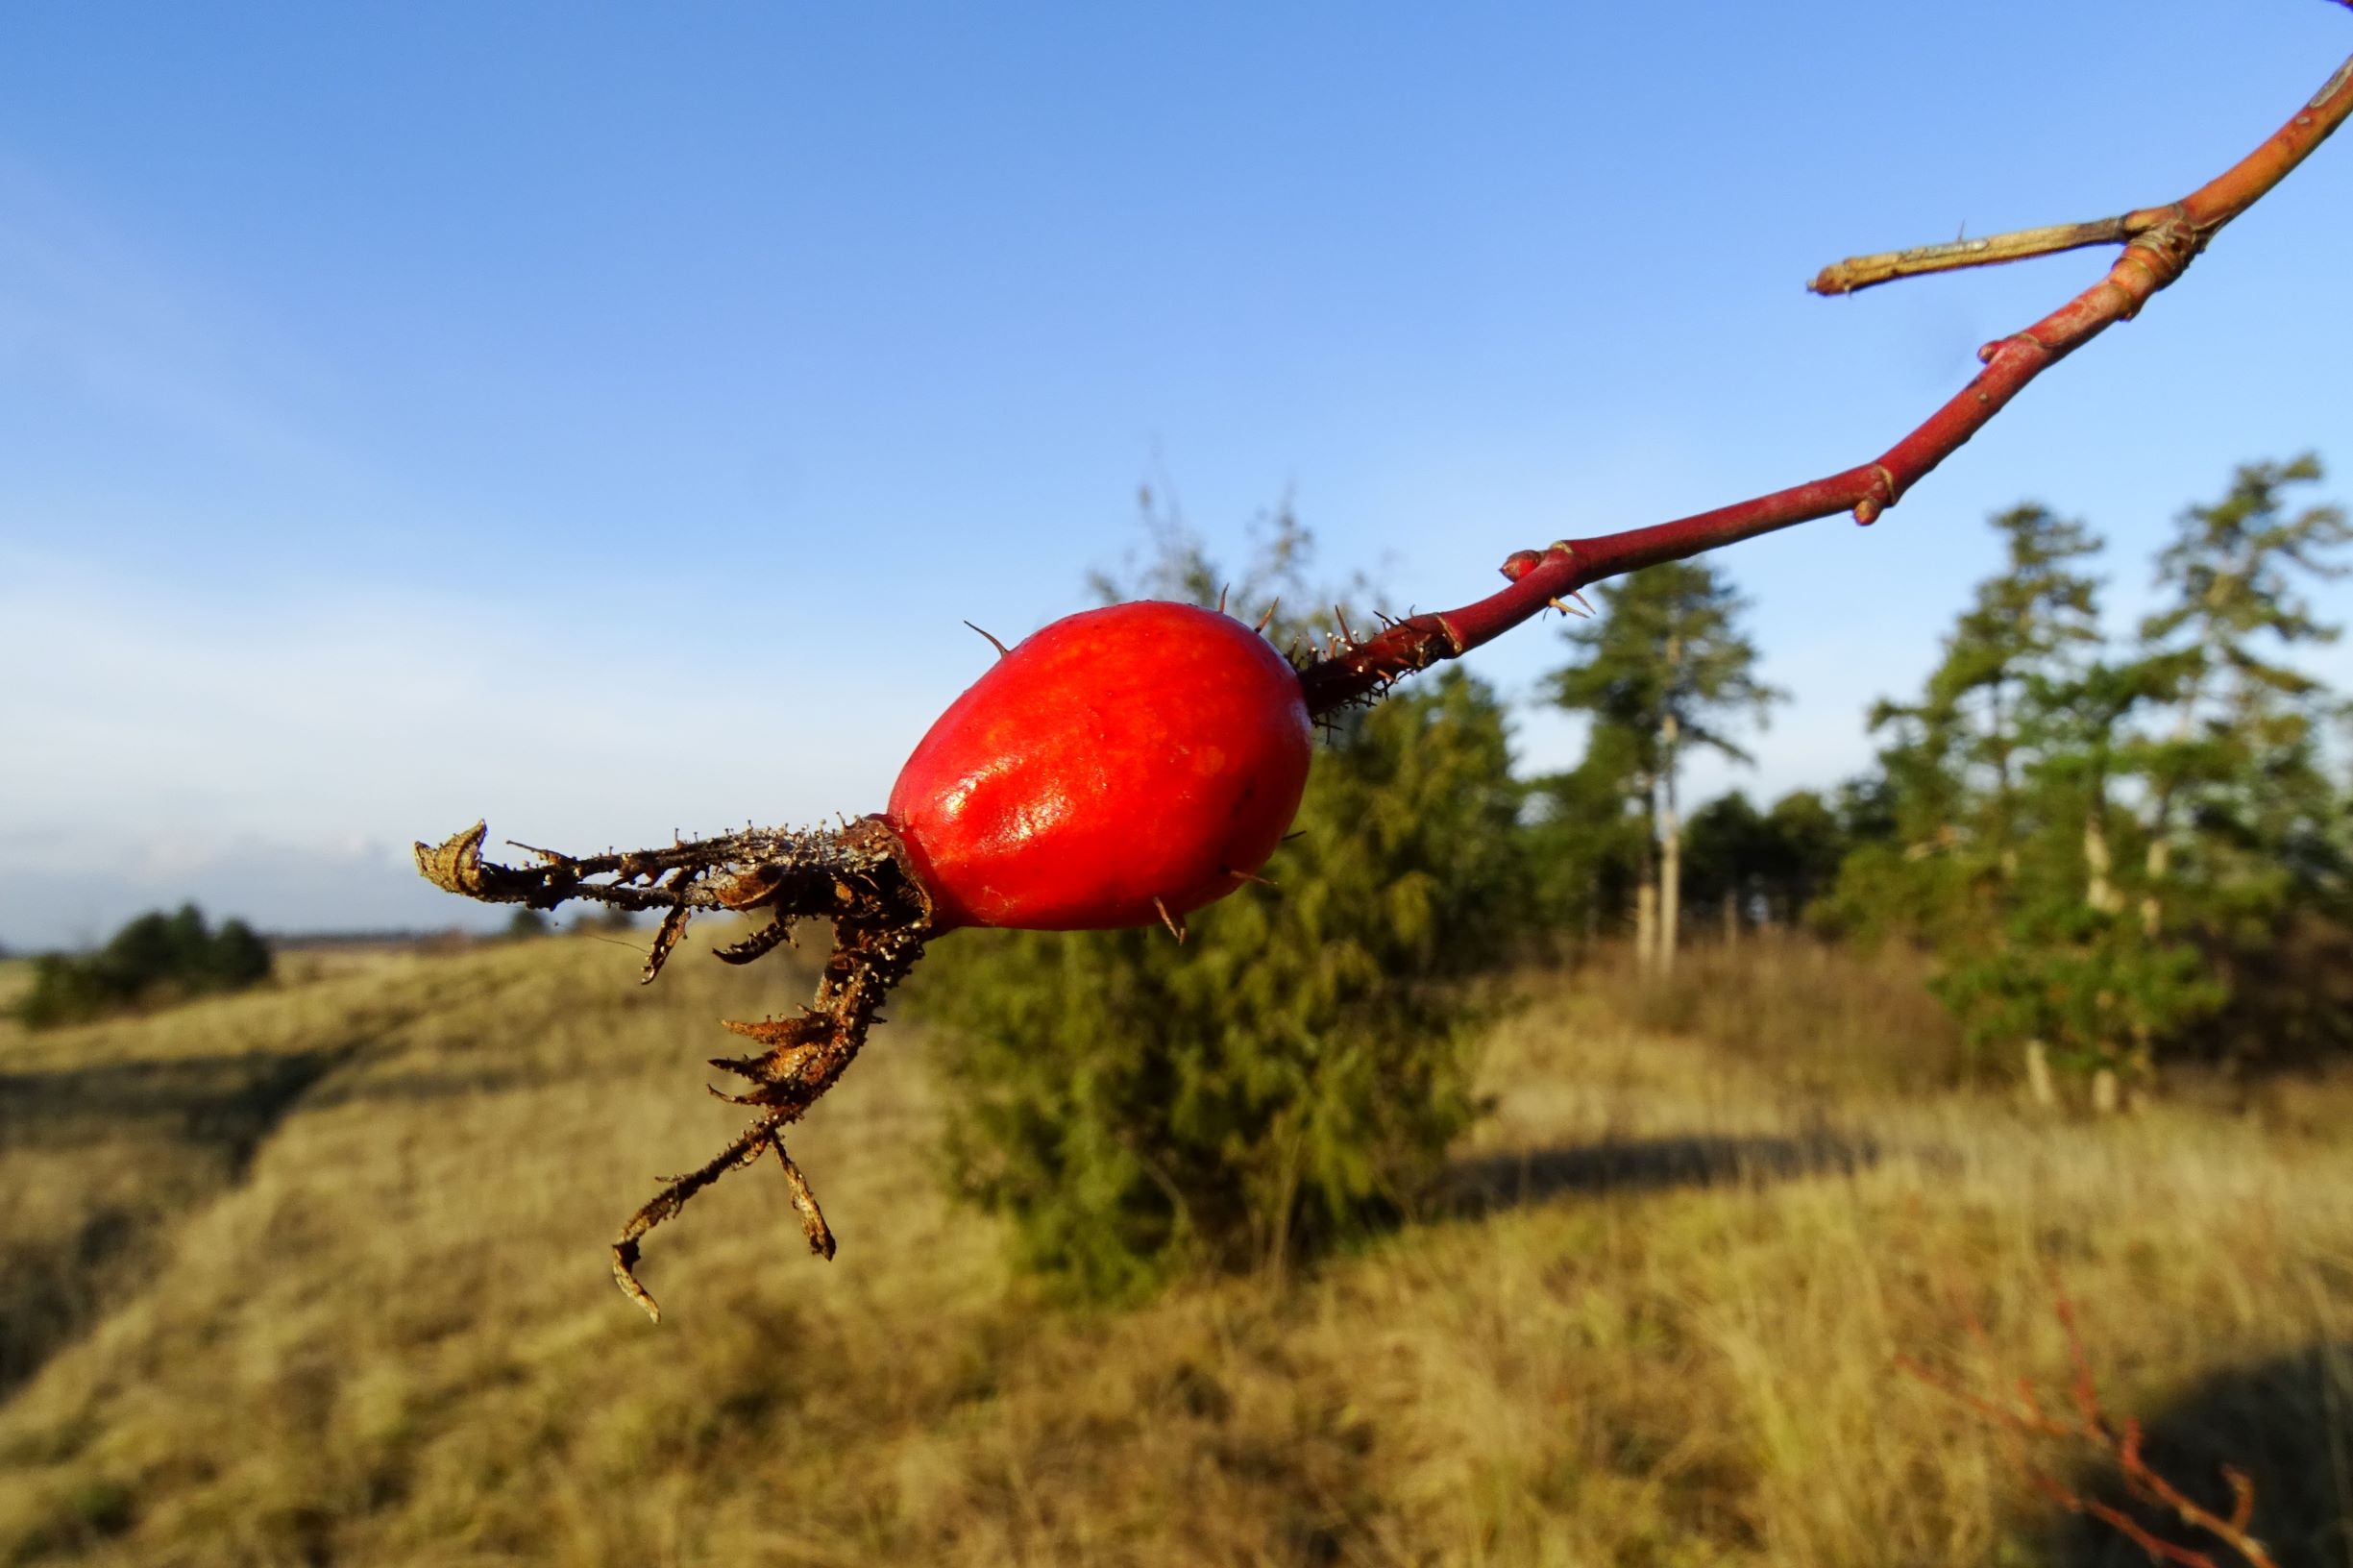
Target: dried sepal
(857, 876)
(666, 938)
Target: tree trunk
(2041, 1092)
(2160, 861)
(1732, 918)
(2003, 811)
(2099, 892)
(1671, 851)
(1646, 882)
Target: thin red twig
(2162, 244)
(2119, 1440)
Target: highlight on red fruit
(1118, 768)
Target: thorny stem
(2160, 243)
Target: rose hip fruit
(1118, 768)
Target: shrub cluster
(155, 958)
(1294, 1071)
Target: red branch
(2155, 257)
(2120, 1440)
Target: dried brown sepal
(874, 949)
(456, 864)
(804, 1203)
(665, 939)
(858, 877)
(777, 933)
(810, 1027)
(795, 872)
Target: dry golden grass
(1830, 1016)
(16, 979)
(363, 1317)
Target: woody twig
(2159, 243)
(2026, 1418)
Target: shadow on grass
(1647, 1164)
(195, 1122)
(2287, 1422)
(229, 1103)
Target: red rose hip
(1119, 765)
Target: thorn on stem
(1176, 926)
(1221, 597)
(1001, 648)
(1267, 619)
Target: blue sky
(604, 418)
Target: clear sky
(602, 418)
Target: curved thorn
(1001, 648)
(1175, 925)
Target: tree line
(2123, 845)
(153, 959)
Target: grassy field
(317, 1274)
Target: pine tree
(2064, 966)
(1588, 848)
(2238, 778)
(1954, 758)
(1762, 867)
(2246, 846)
(2107, 849)
(1663, 668)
